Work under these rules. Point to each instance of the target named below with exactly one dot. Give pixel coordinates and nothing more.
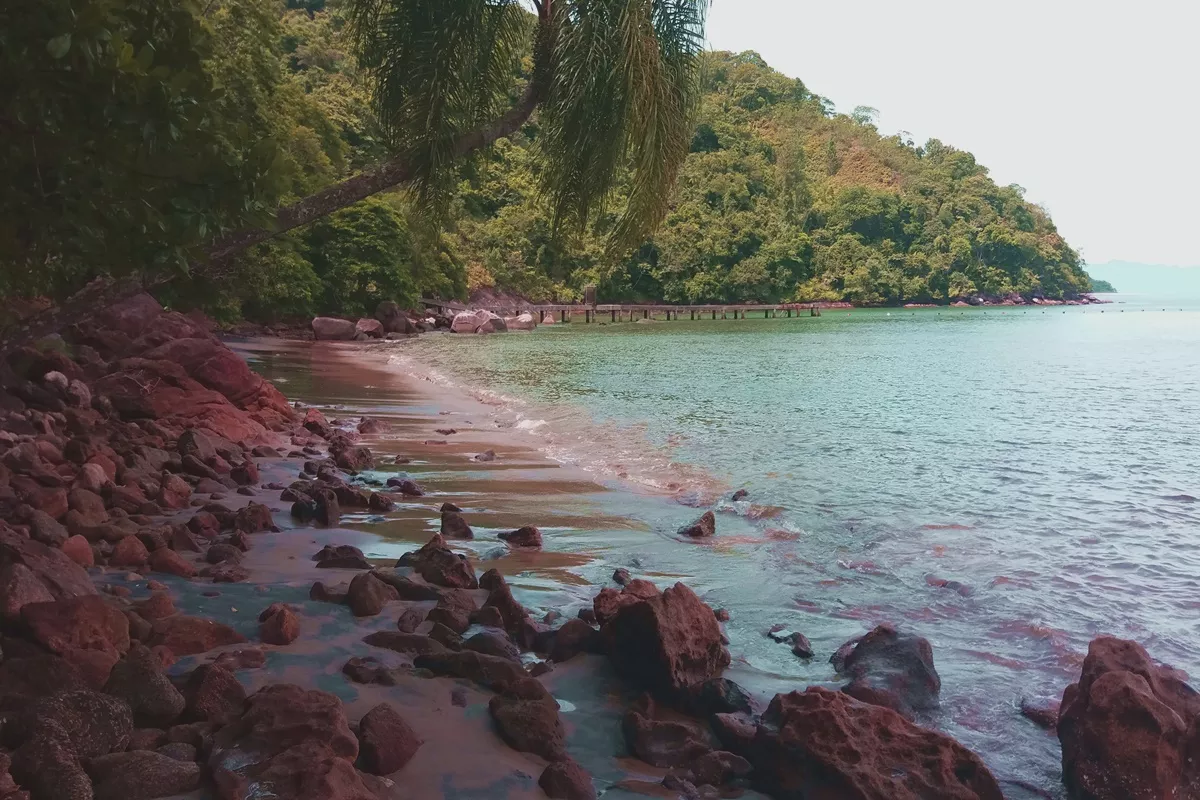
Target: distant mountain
(1157, 279)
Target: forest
(157, 127)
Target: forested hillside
(255, 104)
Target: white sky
(1091, 105)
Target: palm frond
(440, 68)
(623, 94)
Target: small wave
(569, 435)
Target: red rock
(821, 743)
(129, 553)
(500, 597)
(171, 563)
(370, 670)
(86, 631)
(566, 780)
(87, 503)
(491, 672)
(528, 536)
(526, 716)
(294, 744)
(1045, 717)
(717, 768)
(315, 422)
(142, 775)
(26, 678)
(175, 492)
(353, 458)
(60, 575)
(606, 604)
(248, 658)
(214, 694)
(245, 474)
(438, 564)
(341, 556)
(324, 594)
(89, 723)
(186, 636)
(18, 588)
(663, 742)
(891, 669)
(407, 643)
(702, 528)
(138, 679)
(51, 501)
(156, 606)
(574, 637)
(386, 742)
(281, 627)
(368, 595)
(666, 643)
(455, 527)
(1129, 727)
(147, 738)
(205, 524)
(253, 518)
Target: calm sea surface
(1045, 460)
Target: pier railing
(631, 311)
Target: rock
(621, 576)
(46, 765)
(170, 562)
(369, 425)
(280, 625)
(290, 744)
(147, 739)
(493, 643)
(245, 474)
(86, 631)
(488, 617)
(226, 573)
(186, 636)
(1044, 716)
(439, 565)
(315, 422)
(234, 660)
(528, 536)
(370, 670)
(353, 458)
(368, 595)
(718, 768)
(491, 672)
(393, 319)
(180, 751)
(380, 502)
(740, 494)
(406, 487)
(820, 743)
(213, 694)
(500, 597)
(455, 619)
(18, 588)
(88, 723)
(665, 643)
(407, 643)
(175, 493)
(27, 678)
(252, 518)
(526, 718)
(574, 637)
(129, 553)
(342, 556)
(142, 775)
(45, 529)
(56, 571)
(477, 322)
(369, 327)
(606, 604)
(702, 528)
(566, 780)
(485, 456)
(891, 669)
(455, 527)
(386, 742)
(1128, 728)
(138, 679)
(663, 743)
(323, 594)
(522, 322)
(223, 553)
(333, 329)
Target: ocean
(1007, 482)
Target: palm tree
(614, 83)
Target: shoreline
(574, 682)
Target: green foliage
(1104, 287)
(122, 149)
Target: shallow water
(1044, 459)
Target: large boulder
(87, 631)
(1129, 727)
(825, 744)
(480, 321)
(526, 716)
(665, 643)
(522, 322)
(441, 566)
(138, 679)
(61, 576)
(142, 775)
(891, 669)
(290, 744)
(371, 328)
(393, 319)
(386, 742)
(187, 636)
(333, 329)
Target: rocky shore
(162, 503)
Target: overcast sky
(1091, 105)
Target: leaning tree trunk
(104, 292)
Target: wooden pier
(620, 312)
